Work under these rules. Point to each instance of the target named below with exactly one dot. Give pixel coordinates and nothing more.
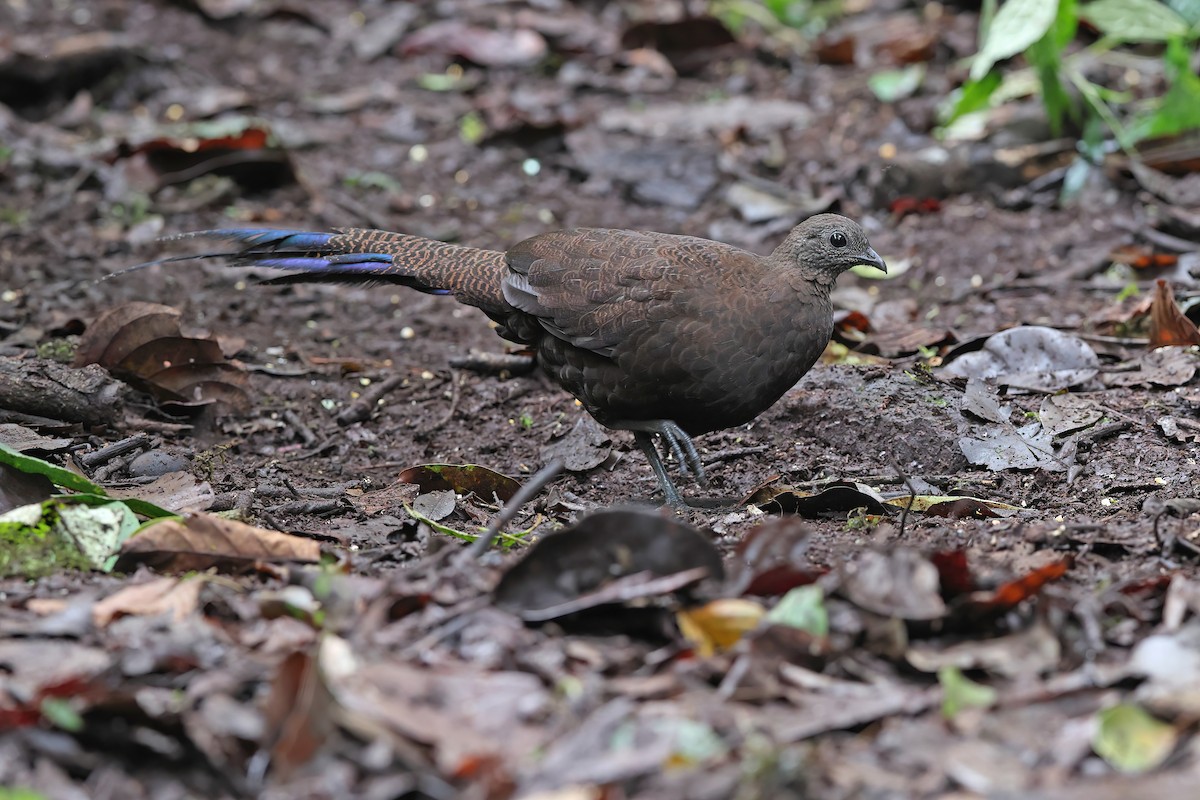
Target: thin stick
(523, 496)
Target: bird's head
(826, 245)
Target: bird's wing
(593, 287)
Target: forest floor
(1045, 646)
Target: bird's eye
(838, 239)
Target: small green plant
(1043, 30)
(807, 16)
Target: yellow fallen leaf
(719, 625)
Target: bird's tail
(358, 255)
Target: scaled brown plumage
(654, 333)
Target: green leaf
(973, 96)
(137, 506)
(1188, 9)
(1134, 20)
(959, 693)
(59, 712)
(19, 794)
(896, 84)
(1131, 740)
(1046, 57)
(1018, 24)
(58, 475)
(803, 608)
(793, 13)
(1179, 108)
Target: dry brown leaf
(180, 596)
(1168, 325)
(179, 491)
(141, 343)
(103, 333)
(299, 713)
(202, 541)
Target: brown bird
(654, 333)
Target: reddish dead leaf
(782, 579)
(141, 343)
(1013, 592)
(34, 669)
(106, 331)
(854, 321)
(980, 606)
(954, 573)
(242, 148)
(903, 206)
(1176, 154)
(772, 559)
(837, 50)
(299, 713)
(1168, 325)
(963, 508)
(1140, 257)
(486, 484)
(487, 48)
(203, 541)
(179, 596)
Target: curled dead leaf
(1168, 324)
(142, 344)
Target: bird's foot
(680, 446)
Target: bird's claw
(684, 450)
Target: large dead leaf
(1168, 324)
(299, 713)
(141, 343)
(643, 550)
(901, 584)
(202, 541)
(1166, 366)
(1030, 357)
(1066, 413)
(1005, 447)
(178, 491)
(178, 596)
(486, 484)
(836, 498)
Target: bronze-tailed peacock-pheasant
(653, 333)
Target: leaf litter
(388, 667)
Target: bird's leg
(678, 442)
(670, 493)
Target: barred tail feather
(360, 256)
